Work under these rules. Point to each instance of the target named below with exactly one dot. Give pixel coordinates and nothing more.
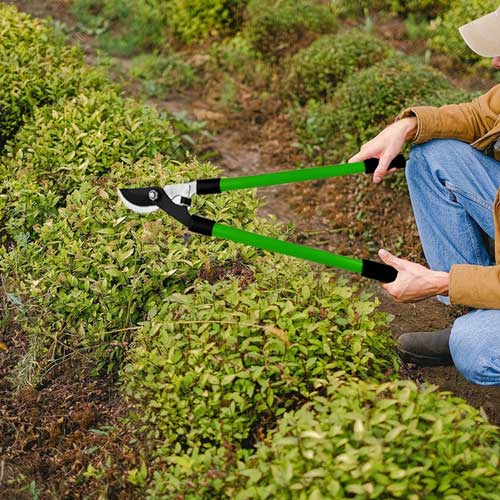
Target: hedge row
(36, 68)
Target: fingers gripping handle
(372, 164)
(377, 271)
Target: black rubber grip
(372, 163)
(201, 225)
(208, 186)
(377, 271)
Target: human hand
(386, 146)
(414, 282)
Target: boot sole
(422, 360)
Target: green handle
(307, 174)
(287, 248)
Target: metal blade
(138, 200)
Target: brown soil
(47, 434)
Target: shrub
(220, 362)
(97, 267)
(193, 20)
(446, 37)
(36, 68)
(79, 139)
(365, 103)
(315, 71)
(428, 8)
(274, 26)
(124, 26)
(160, 74)
(237, 57)
(391, 440)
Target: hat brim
(483, 35)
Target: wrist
(441, 282)
(409, 126)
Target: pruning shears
(175, 200)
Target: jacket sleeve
(465, 122)
(475, 286)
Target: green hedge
(315, 71)
(97, 267)
(79, 139)
(36, 68)
(366, 102)
(377, 441)
(219, 361)
(362, 441)
(445, 37)
(275, 26)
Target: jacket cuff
(425, 116)
(475, 286)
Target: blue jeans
(452, 188)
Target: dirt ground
(51, 434)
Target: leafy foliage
(193, 20)
(427, 8)
(161, 73)
(97, 267)
(365, 102)
(124, 26)
(217, 362)
(446, 37)
(79, 139)
(36, 68)
(371, 441)
(274, 26)
(315, 71)
(237, 57)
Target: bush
(446, 37)
(365, 103)
(220, 362)
(193, 20)
(377, 441)
(78, 140)
(428, 8)
(159, 74)
(275, 26)
(237, 57)
(97, 267)
(36, 68)
(315, 71)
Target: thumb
(381, 170)
(390, 259)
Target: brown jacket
(477, 123)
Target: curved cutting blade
(138, 200)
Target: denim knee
(471, 357)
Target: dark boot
(425, 348)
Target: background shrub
(124, 27)
(390, 440)
(428, 8)
(79, 139)
(159, 74)
(274, 26)
(192, 20)
(446, 37)
(241, 60)
(315, 71)
(366, 102)
(219, 362)
(36, 68)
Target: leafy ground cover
(227, 355)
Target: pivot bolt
(153, 195)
